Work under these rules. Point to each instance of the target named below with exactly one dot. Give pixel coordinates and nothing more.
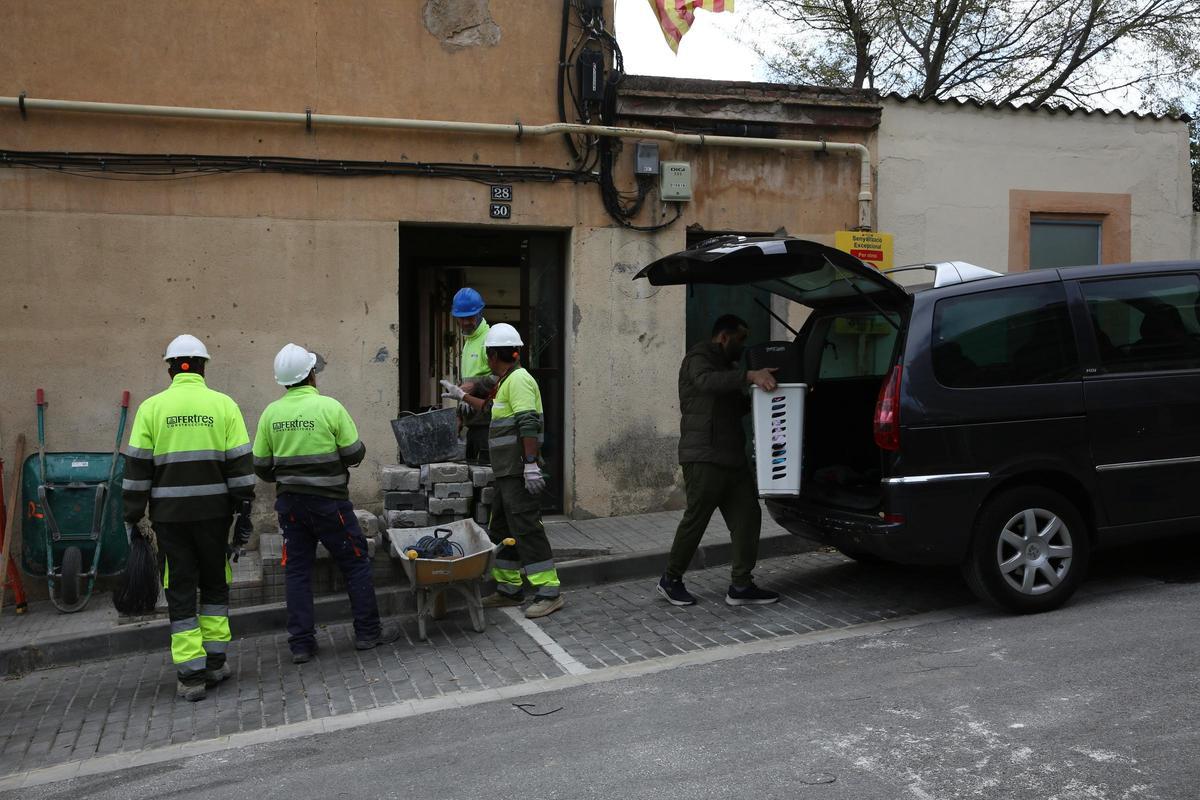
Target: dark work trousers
(517, 513)
(477, 444)
(195, 556)
(308, 519)
(711, 487)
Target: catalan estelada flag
(676, 16)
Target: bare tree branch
(1018, 51)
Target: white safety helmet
(502, 335)
(186, 346)
(292, 364)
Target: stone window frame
(1114, 212)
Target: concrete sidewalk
(625, 547)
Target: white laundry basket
(779, 438)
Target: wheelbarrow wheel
(72, 566)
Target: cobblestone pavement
(128, 704)
(638, 532)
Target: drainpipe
(518, 130)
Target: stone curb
(393, 600)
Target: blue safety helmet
(467, 303)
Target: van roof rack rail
(949, 273)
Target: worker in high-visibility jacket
(476, 377)
(306, 443)
(189, 456)
(515, 438)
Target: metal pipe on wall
(518, 130)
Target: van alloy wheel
(1034, 551)
(1029, 551)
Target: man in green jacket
(305, 443)
(712, 451)
(476, 378)
(516, 435)
(189, 456)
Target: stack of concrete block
(482, 482)
(432, 494)
(436, 494)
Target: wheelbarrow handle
(112, 470)
(41, 428)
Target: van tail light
(887, 412)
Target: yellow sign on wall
(867, 246)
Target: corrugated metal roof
(1046, 108)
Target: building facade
(350, 239)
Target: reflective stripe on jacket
(306, 442)
(188, 454)
(516, 414)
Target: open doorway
(521, 277)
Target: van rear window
(1005, 337)
(857, 346)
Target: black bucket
(429, 437)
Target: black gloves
(242, 528)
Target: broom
(137, 593)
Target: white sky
(709, 50)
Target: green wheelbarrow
(73, 516)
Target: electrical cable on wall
(599, 152)
(157, 167)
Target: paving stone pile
(436, 494)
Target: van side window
(1145, 324)
(856, 346)
(1006, 337)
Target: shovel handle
(125, 399)
(41, 397)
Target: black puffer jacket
(713, 399)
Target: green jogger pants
(711, 487)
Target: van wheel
(1030, 551)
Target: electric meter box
(779, 438)
(676, 181)
(646, 158)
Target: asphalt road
(1095, 701)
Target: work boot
(543, 607)
(750, 596)
(672, 589)
(214, 676)
(191, 692)
(304, 656)
(502, 600)
(387, 634)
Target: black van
(1009, 424)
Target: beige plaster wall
(90, 302)
(945, 173)
(314, 259)
(627, 343)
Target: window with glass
(1063, 243)
(857, 346)
(1146, 324)
(1005, 337)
